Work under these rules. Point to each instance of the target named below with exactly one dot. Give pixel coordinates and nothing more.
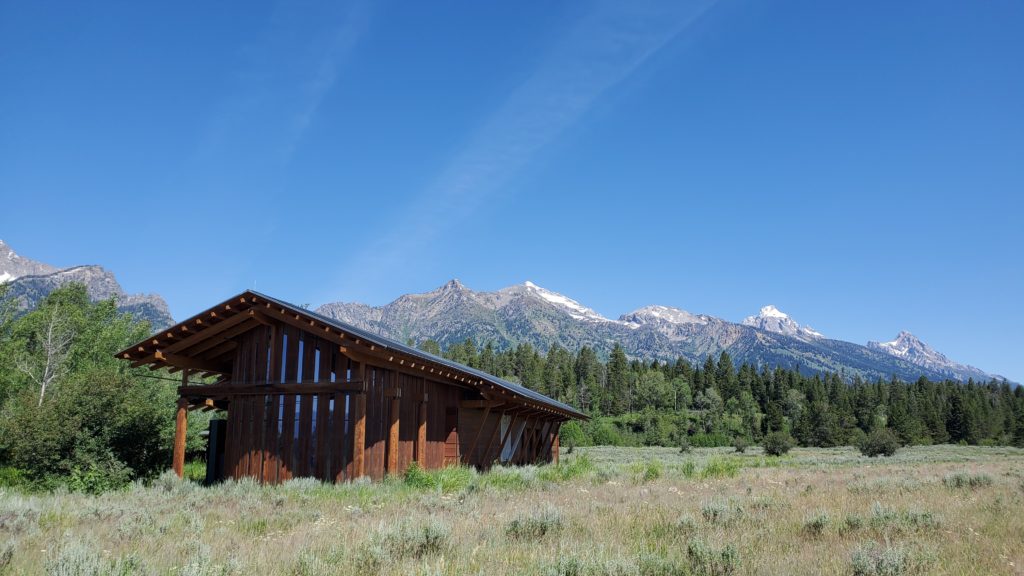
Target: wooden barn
(307, 395)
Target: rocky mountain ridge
(28, 282)
(528, 313)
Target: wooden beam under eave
(179, 361)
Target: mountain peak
(770, 311)
(908, 347)
(572, 307)
(13, 266)
(452, 285)
(771, 319)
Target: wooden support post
(421, 434)
(180, 428)
(554, 449)
(393, 435)
(359, 436)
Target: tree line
(636, 402)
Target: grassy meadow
(621, 511)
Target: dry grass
(928, 510)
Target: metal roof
(388, 343)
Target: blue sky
(860, 165)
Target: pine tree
(617, 400)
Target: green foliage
(446, 480)
(777, 443)
(740, 444)
(967, 480)
(880, 442)
(395, 543)
(706, 560)
(97, 424)
(873, 559)
(647, 471)
(817, 524)
(684, 445)
(565, 470)
(534, 526)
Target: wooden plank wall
(276, 437)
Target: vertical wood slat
(245, 434)
(271, 448)
(359, 436)
(392, 449)
(235, 411)
(555, 444)
(421, 431)
(339, 440)
(260, 336)
(287, 435)
(259, 432)
(291, 355)
(323, 433)
(305, 426)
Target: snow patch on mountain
(774, 320)
(574, 308)
(656, 314)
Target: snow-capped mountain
(774, 320)
(527, 313)
(13, 266)
(908, 347)
(27, 282)
(574, 308)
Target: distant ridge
(28, 282)
(528, 313)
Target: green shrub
(740, 444)
(872, 559)
(502, 478)
(719, 512)
(684, 445)
(718, 467)
(880, 442)
(777, 443)
(571, 434)
(447, 480)
(647, 471)
(11, 477)
(817, 524)
(708, 561)
(965, 480)
(402, 541)
(903, 520)
(535, 526)
(566, 469)
(703, 440)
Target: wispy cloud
(599, 52)
(283, 78)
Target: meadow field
(602, 510)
